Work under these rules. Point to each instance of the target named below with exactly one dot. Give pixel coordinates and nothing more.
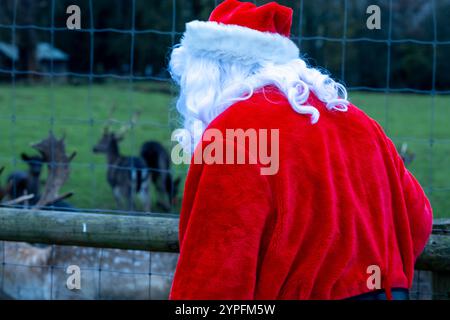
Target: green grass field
(29, 112)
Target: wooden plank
(436, 256)
(145, 232)
(441, 226)
(134, 232)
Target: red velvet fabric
(341, 201)
(270, 17)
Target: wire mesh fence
(76, 88)
(40, 272)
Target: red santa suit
(341, 202)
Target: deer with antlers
(53, 153)
(127, 176)
(24, 187)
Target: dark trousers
(397, 294)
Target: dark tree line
(321, 27)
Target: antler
(110, 120)
(54, 153)
(19, 200)
(129, 125)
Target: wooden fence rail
(149, 232)
(116, 231)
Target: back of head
(240, 49)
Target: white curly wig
(217, 65)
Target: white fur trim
(233, 42)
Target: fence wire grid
(72, 108)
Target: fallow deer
(127, 176)
(22, 183)
(158, 162)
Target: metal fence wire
(59, 97)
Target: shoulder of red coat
(268, 107)
(265, 108)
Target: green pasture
(27, 113)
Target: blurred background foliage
(321, 33)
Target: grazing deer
(127, 176)
(21, 183)
(158, 161)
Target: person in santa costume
(340, 217)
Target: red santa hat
(241, 31)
